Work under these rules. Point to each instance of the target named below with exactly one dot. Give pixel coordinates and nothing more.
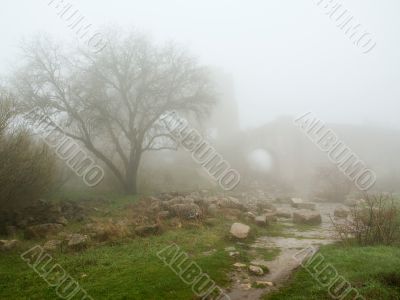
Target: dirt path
(281, 268)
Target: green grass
(373, 271)
(127, 271)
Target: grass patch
(373, 271)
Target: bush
(375, 221)
(26, 167)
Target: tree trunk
(130, 185)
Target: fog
(284, 57)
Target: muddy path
(282, 266)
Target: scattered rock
(52, 245)
(250, 216)
(212, 209)
(78, 241)
(309, 217)
(263, 283)
(284, 213)
(239, 230)
(271, 217)
(147, 230)
(209, 253)
(295, 202)
(234, 254)
(261, 220)
(239, 265)
(256, 270)
(186, 211)
(7, 245)
(228, 249)
(245, 286)
(42, 230)
(341, 212)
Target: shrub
(26, 167)
(375, 221)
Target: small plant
(374, 221)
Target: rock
(186, 211)
(52, 245)
(78, 241)
(309, 217)
(209, 253)
(263, 283)
(239, 265)
(245, 286)
(7, 245)
(261, 220)
(271, 217)
(212, 209)
(341, 212)
(234, 254)
(256, 270)
(250, 216)
(230, 202)
(144, 231)
(239, 230)
(62, 220)
(295, 202)
(228, 249)
(284, 213)
(42, 230)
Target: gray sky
(286, 57)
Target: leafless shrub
(26, 167)
(374, 221)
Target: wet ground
(282, 267)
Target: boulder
(147, 230)
(78, 241)
(284, 213)
(256, 270)
(309, 217)
(7, 245)
(42, 230)
(212, 209)
(186, 211)
(239, 230)
(230, 202)
(341, 212)
(295, 202)
(271, 217)
(261, 220)
(52, 245)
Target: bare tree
(111, 102)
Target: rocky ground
(67, 226)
